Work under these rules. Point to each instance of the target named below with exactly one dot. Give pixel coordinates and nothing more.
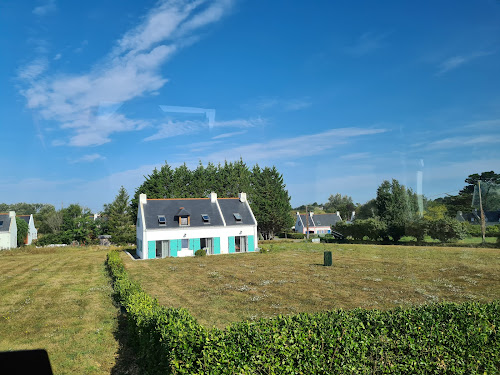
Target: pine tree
(119, 219)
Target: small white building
(179, 227)
(318, 224)
(8, 231)
(32, 231)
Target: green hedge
(431, 339)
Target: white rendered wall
(5, 240)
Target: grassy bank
(59, 299)
(290, 279)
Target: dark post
(327, 259)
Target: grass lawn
(291, 278)
(59, 299)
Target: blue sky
(338, 95)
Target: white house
(179, 227)
(8, 231)
(32, 231)
(318, 224)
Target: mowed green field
(291, 278)
(59, 299)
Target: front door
(240, 244)
(162, 249)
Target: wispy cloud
(305, 145)
(454, 142)
(268, 103)
(173, 129)
(48, 7)
(356, 156)
(366, 44)
(457, 61)
(228, 135)
(88, 158)
(34, 69)
(130, 70)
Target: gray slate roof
(321, 220)
(491, 217)
(230, 206)
(170, 208)
(6, 222)
(26, 218)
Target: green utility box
(327, 259)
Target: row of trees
(394, 213)
(266, 191)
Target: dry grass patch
(222, 289)
(59, 300)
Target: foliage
(270, 201)
(418, 228)
(396, 206)
(367, 210)
(435, 211)
(341, 203)
(296, 236)
(447, 229)
(22, 231)
(446, 337)
(200, 253)
(266, 192)
(372, 228)
(118, 219)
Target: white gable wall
(8, 240)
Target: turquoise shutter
(191, 244)
(217, 245)
(251, 245)
(231, 244)
(151, 250)
(174, 245)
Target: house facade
(32, 231)
(318, 224)
(474, 217)
(179, 227)
(8, 231)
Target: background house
(179, 227)
(8, 231)
(32, 231)
(474, 217)
(318, 223)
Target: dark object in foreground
(22, 362)
(327, 258)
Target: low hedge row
(439, 338)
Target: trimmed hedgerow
(431, 339)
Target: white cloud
(356, 156)
(173, 129)
(366, 44)
(34, 69)
(131, 70)
(453, 142)
(57, 57)
(42, 10)
(89, 158)
(228, 135)
(297, 147)
(455, 62)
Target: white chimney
(243, 197)
(338, 214)
(12, 214)
(143, 199)
(213, 197)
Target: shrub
(418, 228)
(200, 253)
(447, 229)
(297, 236)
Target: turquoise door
(251, 245)
(151, 250)
(174, 246)
(231, 244)
(217, 245)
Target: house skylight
(237, 216)
(162, 220)
(206, 218)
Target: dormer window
(206, 218)
(183, 216)
(237, 216)
(162, 221)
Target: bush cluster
(296, 236)
(438, 338)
